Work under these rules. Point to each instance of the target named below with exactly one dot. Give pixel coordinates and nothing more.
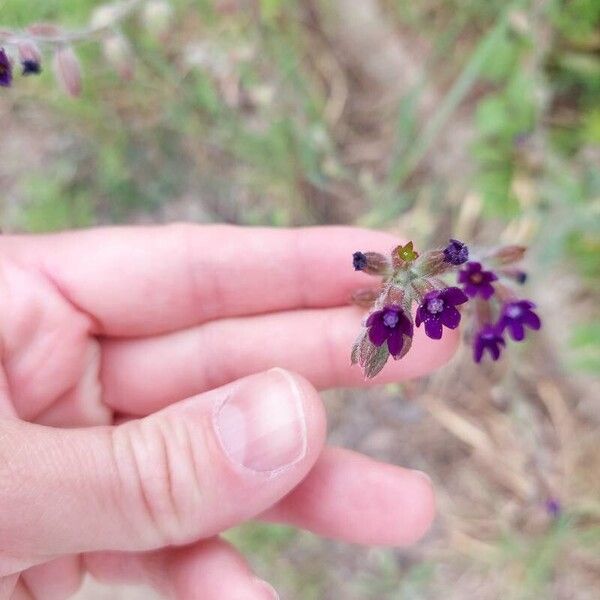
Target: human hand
(140, 417)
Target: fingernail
(261, 425)
(266, 589)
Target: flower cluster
(25, 46)
(482, 284)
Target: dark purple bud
(5, 69)
(359, 261)
(439, 309)
(391, 325)
(31, 57)
(490, 339)
(519, 276)
(476, 281)
(515, 316)
(371, 263)
(456, 253)
(31, 67)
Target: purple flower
(476, 280)
(553, 507)
(514, 317)
(439, 308)
(488, 338)
(456, 253)
(392, 325)
(5, 69)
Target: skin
(116, 346)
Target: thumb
(184, 473)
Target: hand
(140, 414)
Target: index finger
(135, 281)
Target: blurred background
(469, 118)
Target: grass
(231, 118)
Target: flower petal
(378, 332)
(395, 342)
(532, 320)
(421, 315)
(517, 331)
(486, 291)
(377, 315)
(453, 296)
(478, 349)
(433, 329)
(450, 317)
(494, 350)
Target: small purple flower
(439, 308)
(392, 325)
(515, 316)
(5, 69)
(553, 507)
(488, 338)
(477, 281)
(359, 261)
(456, 253)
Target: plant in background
(484, 290)
(28, 46)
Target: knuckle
(160, 480)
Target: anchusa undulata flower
(440, 286)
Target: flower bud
(44, 29)
(456, 252)
(365, 297)
(371, 263)
(157, 17)
(68, 70)
(432, 263)
(519, 276)
(31, 57)
(508, 254)
(105, 15)
(119, 55)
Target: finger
(140, 376)
(185, 473)
(208, 570)
(56, 579)
(350, 497)
(143, 281)
(21, 592)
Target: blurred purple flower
(488, 338)
(439, 308)
(553, 507)
(456, 252)
(5, 69)
(390, 325)
(515, 316)
(476, 281)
